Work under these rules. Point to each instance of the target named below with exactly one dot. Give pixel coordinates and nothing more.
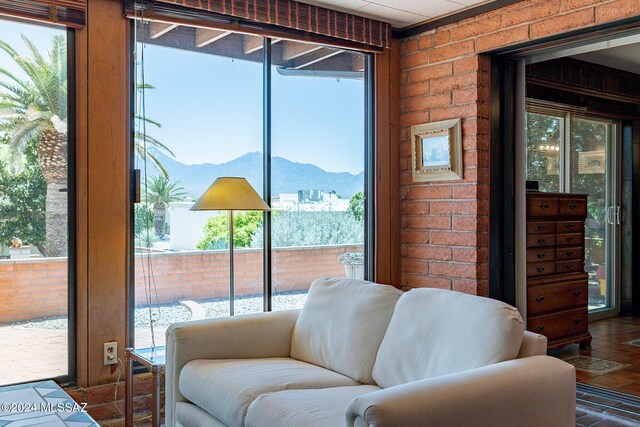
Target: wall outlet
(110, 353)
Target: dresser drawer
(569, 226)
(540, 255)
(569, 239)
(540, 268)
(542, 207)
(563, 254)
(572, 266)
(573, 207)
(559, 296)
(541, 227)
(541, 240)
(562, 324)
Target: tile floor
(616, 362)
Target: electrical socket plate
(110, 353)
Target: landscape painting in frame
(437, 151)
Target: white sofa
(363, 354)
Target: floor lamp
(230, 194)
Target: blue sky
(210, 107)
(215, 114)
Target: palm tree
(35, 107)
(160, 192)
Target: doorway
(568, 151)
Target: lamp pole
(231, 284)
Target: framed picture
(436, 151)
(591, 162)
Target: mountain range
(286, 176)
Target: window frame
(369, 172)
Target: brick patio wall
(445, 235)
(37, 288)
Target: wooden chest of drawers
(557, 288)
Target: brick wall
(36, 288)
(444, 76)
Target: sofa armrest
(530, 392)
(240, 337)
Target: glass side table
(152, 358)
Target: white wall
(186, 227)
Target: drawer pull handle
(569, 253)
(569, 239)
(540, 328)
(577, 293)
(577, 321)
(541, 241)
(569, 226)
(540, 298)
(544, 206)
(573, 206)
(542, 227)
(541, 256)
(540, 269)
(569, 266)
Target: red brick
(475, 28)
(453, 238)
(409, 46)
(575, 4)
(466, 207)
(414, 89)
(414, 60)
(428, 102)
(421, 281)
(411, 265)
(502, 38)
(530, 13)
(617, 10)
(464, 110)
(465, 191)
(433, 222)
(449, 83)
(430, 192)
(466, 286)
(414, 236)
(452, 50)
(414, 118)
(415, 207)
(425, 41)
(562, 23)
(454, 270)
(430, 72)
(466, 65)
(441, 37)
(427, 252)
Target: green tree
(160, 191)
(356, 206)
(35, 108)
(22, 201)
(143, 218)
(216, 230)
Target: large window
(36, 195)
(288, 116)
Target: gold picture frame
(436, 151)
(591, 162)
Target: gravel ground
(165, 315)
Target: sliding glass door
(288, 116)
(36, 202)
(573, 153)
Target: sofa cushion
(226, 388)
(309, 408)
(342, 325)
(436, 332)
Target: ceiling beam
(293, 50)
(314, 57)
(205, 36)
(254, 44)
(157, 29)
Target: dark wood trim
(502, 200)
(450, 19)
(387, 166)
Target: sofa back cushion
(436, 332)
(342, 325)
